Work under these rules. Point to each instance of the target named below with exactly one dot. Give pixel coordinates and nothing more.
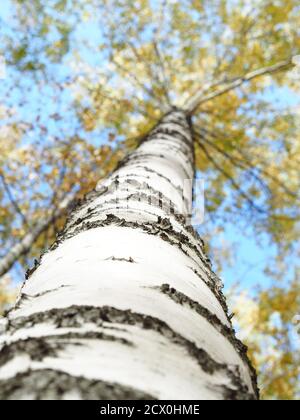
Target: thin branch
(229, 177)
(58, 185)
(100, 92)
(235, 161)
(135, 80)
(24, 246)
(200, 98)
(152, 75)
(164, 82)
(249, 163)
(12, 200)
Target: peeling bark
(125, 304)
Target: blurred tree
(7, 294)
(267, 323)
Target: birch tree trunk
(125, 304)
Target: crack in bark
(37, 348)
(185, 149)
(140, 157)
(48, 384)
(216, 289)
(25, 297)
(169, 235)
(229, 333)
(153, 171)
(141, 187)
(164, 128)
(129, 260)
(153, 229)
(79, 315)
(157, 228)
(169, 143)
(163, 228)
(167, 119)
(157, 200)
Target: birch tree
(125, 304)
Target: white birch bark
(125, 305)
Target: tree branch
(135, 80)
(29, 239)
(164, 83)
(247, 163)
(235, 161)
(200, 98)
(12, 200)
(151, 74)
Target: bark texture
(125, 304)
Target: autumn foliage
(85, 80)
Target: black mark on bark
(55, 385)
(82, 314)
(229, 333)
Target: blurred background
(81, 82)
